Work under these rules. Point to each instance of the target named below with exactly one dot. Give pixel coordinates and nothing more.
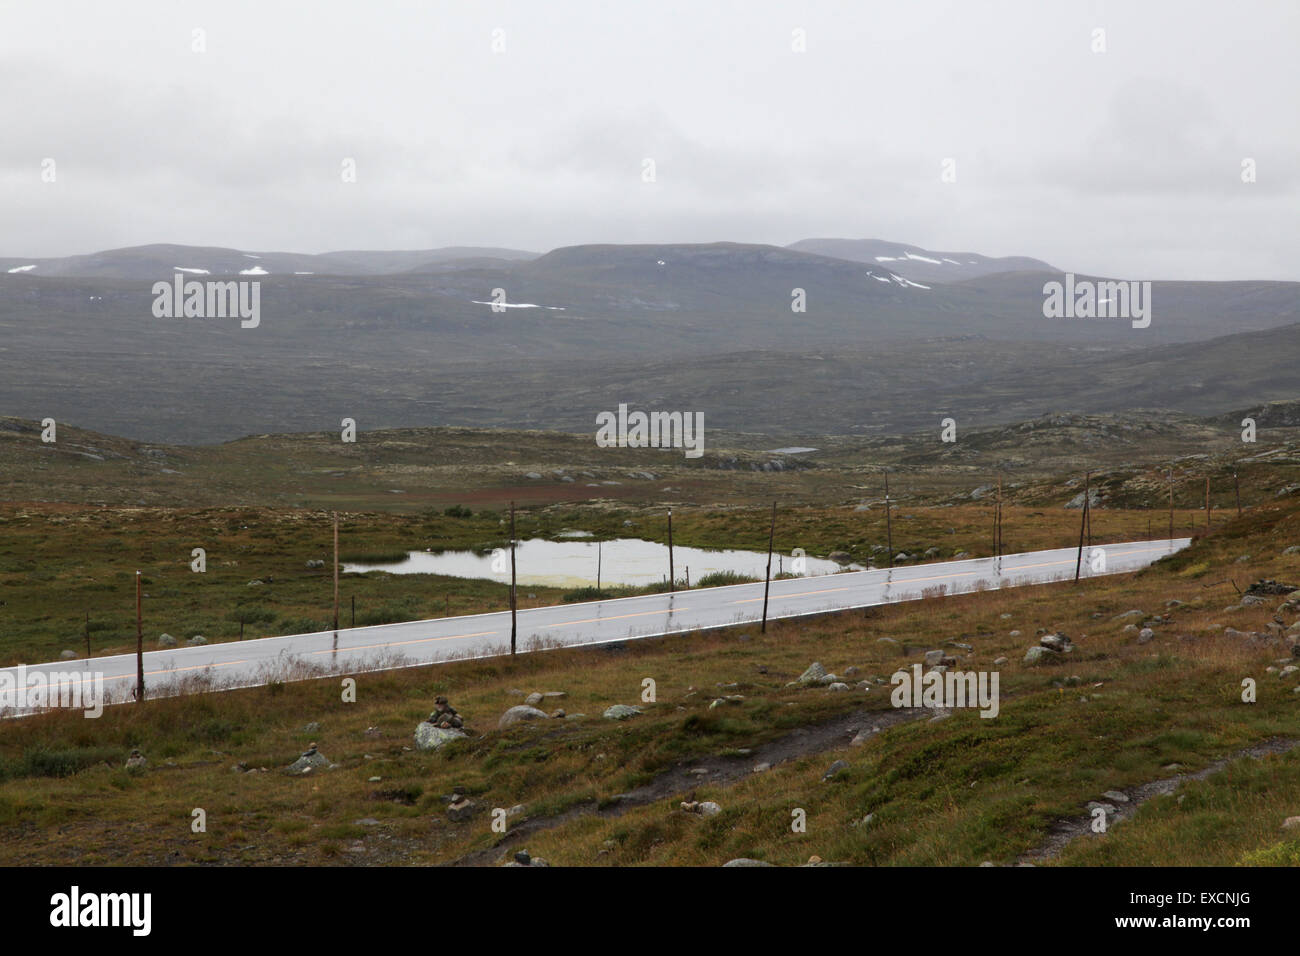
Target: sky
(528, 125)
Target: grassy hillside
(1116, 714)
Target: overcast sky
(1126, 162)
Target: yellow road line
(615, 617)
(421, 640)
(800, 594)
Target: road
(354, 650)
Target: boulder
(311, 760)
(815, 674)
(835, 769)
(429, 737)
(462, 809)
(1040, 655)
(746, 861)
(622, 712)
(1145, 635)
(166, 640)
(533, 699)
(198, 640)
(520, 713)
(1055, 642)
(67, 655)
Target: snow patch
(200, 272)
(255, 271)
(520, 305)
(21, 269)
(913, 255)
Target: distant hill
(921, 265)
(715, 327)
(161, 260)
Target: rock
(1145, 635)
(197, 640)
(311, 728)
(166, 640)
(533, 699)
(136, 762)
(429, 737)
(1116, 796)
(863, 736)
(835, 769)
(999, 661)
(813, 675)
(373, 732)
(838, 686)
(851, 672)
(1055, 642)
(67, 655)
(865, 821)
(622, 712)
(315, 563)
(902, 556)
(1108, 810)
(709, 809)
(558, 714)
(462, 809)
(1134, 613)
(934, 657)
(1291, 823)
(1040, 655)
(311, 760)
(762, 767)
(520, 713)
(886, 640)
(374, 780)
(746, 861)
(840, 557)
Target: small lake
(572, 564)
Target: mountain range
(821, 336)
